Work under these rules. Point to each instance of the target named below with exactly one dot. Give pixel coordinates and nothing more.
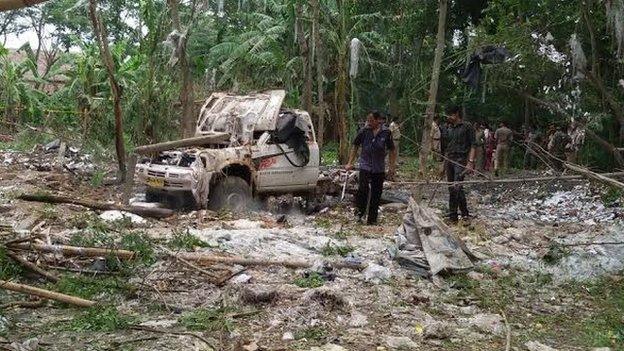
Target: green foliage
(311, 280)
(612, 196)
(329, 154)
(312, 334)
(331, 249)
(255, 46)
(97, 179)
(184, 240)
(606, 327)
(555, 253)
(8, 269)
(140, 242)
(100, 319)
(25, 140)
(323, 222)
(209, 320)
(91, 287)
(48, 212)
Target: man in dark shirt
(460, 153)
(374, 140)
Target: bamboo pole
(96, 205)
(47, 294)
(187, 142)
(593, 175)
(203, 257)
(77, 251)
(506, 181)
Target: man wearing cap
(374, 140)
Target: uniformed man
(503, 136)
(459, 141)
(374, 140)
(557, 147)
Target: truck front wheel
(230, 193)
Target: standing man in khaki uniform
(504, 137)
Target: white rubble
(538, 346)
(376, 273)
(116, 215)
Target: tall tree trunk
(305, 53)
(341, 109)
(425, 146)
(186, 90)
(341, 89)
(527, 113)
(320, 110)
(340, 98)
(107, 58)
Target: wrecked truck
(245, 146)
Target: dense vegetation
(567, 62)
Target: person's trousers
(502, 156)
(480, 158)
(455, 172)
(530, 159)
(369, 195)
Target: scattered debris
(488, 323)
(537, 346)
(116, 215)
(400, 343)
(376, 273)
(576, 205)
(258, 295)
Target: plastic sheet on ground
(427, 246)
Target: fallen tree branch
(96, 205)
(77, 251)
(80, 270)
(195, 141)
(203, 257)
(187, 263)
(32, 267)
(46, 294)
(593, 175)
(161, 331)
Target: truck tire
(153, 196)
(230, 193)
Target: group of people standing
(463, 148)
(492, 147)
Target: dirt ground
(549, 275)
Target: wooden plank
(187, 142)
